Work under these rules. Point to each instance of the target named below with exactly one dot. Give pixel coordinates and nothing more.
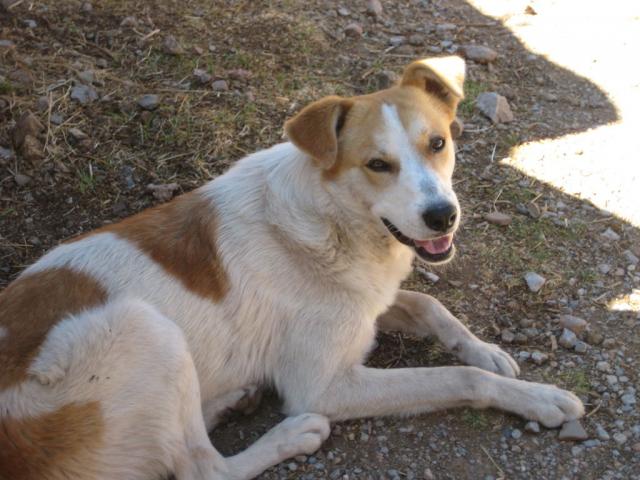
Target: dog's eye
(378, 165)
(436, 144)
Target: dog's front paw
(300, 435)
(550, 405)
(487, 357)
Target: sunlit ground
(599, 41)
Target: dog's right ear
(316, 128)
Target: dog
(121, 348)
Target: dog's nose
(440, 217)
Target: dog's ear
(442, 77)
(316, 128)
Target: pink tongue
(437, 245)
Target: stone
(42, 104)
(87, 7)
(27, 125)
(220, 86)
(630, 257)
(84, 94)
(22, 77)
(568, 339)
(619, 438)
(149, 101)
(374, 8)
(78, 134)
(129, 22)
(396, 40)
(507, 336)
(628, 399)
(533, 427)
(534, 281)
(163, 192)
(21, 180)
(432, 277)
(202, 76)
(343, 12)
(498, 218)
(594, 337)
(7, 154)
(87, 76)
(495, 107)
(609, 234)
(29, 23)
(539, 358)
(6, 45)
(604, 268)
(31, 149)
(573, 430)
(516, 434)
(575, 324)
(445, 27)
(479, 53)
(353, 30)
(580, 347)
(239, 74)
(171, 46)
(602, 433)
(603, 366)
(416, 40)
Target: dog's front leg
(423, 315)
(365, 392)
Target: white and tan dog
(119, 349)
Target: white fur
(310, 271)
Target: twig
(149, 35)
(500, 471)
(592, 412)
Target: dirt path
(91, 151)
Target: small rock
(533, 427)
(604, 268)
(129, 22)
(495, 107)
(580, 347)
(608, 343)
(534, 281)
(374, 8)
(202, 76)
(619, 438)
(343, 12)
(603, 366)
(220, 86)
(594, 337)
(628, 399)
(445, 27)
(239, 74)
(7, 154)
(416, 40)
(149, 101)
(396, 40)
(353, 30)
(479, 54)
(575, 324)
(507, 336)
(87, 7)
(56, 119)
(42, 104)
(539, 358)
(21, 180)
(568, 339)
(31, 149)
(631, 258)
(87, 76)
(432, 277)
(6, 45)
(78, 134)
(516, 434)
(610, 235)
(27, 125)
(498, 218)
(84, 94)
(171, 46)
(573, 430)
(163, 192)
(28, 23)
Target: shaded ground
(275, 56)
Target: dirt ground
(227, 75)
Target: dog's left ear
(441, 76)
(316, 128)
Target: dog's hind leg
(423, 315)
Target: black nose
(440, 217)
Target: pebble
(619, 438)
(534, 281)
(580, 347)
(343, 12)
(171, 46)
(604, 268)
(7, 45)
(539, 358)
(353, 30)
(610, 235)
(396, 40)
(78, 134)
(21, 180)
(87, 76)
(495, 107)
(28, 23)
(84, 94)
(516, 434)
(568, 339)
(628, 399)
(575, 324)
(42, 104)
(533, 427)
(374, 8)
(498, 218)
(202, 76)
(479, 53)
(573, 430)
(129, 22)
(28, 125)
(149, 101)
(7, 154)
(631, 258)
(603, 366)
(507, 336)
(220, 86)
(432, 277)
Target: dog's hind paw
(488, 357)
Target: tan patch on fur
(59, 445)
(31, 306)
(181, 237)
(356, 142)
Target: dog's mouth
(434, 250)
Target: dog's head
(393, 152)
